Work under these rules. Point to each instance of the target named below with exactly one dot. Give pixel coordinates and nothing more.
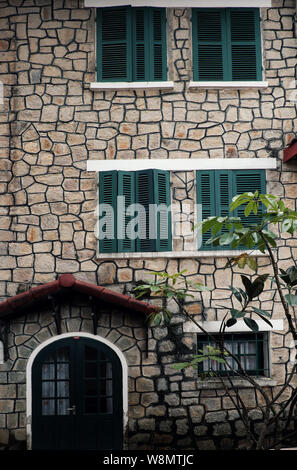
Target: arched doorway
(77, 395)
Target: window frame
(237, 338)
(227, 79)
(131, 78)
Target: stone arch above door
(75, 337)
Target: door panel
(77, 396)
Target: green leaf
(200, 287)
(247, 284)
(243, 293)
(286, 225)
(237, 313)
(292, 272)
(230, 322)
(167, 316)
(251, 324)
(157, 320)
(208, 223)
(181, 365)
(217, 227)
(252, 263)
(226, 239)
(199, 359)
(248, 208)
(258, 285)
(217, 359)
(261, 312)
(291, 299)
(265, 319)
(242, 261)
(236, 293)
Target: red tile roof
(290, 152)
(16, 303)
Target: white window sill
(183, 164)
(179, 254)
(216, 383)
(221, 85)
(175, 3)
(213, 327)
(102, 86)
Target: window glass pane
(109, 387)
(48, 407)
(48, 389)
(250, 363)
(106, 405)
(63, 355)
(48, 371)
(63, 389)
(62, 371)
(250, 347)
(109, 370)
(62, 406)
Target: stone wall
(51, 123)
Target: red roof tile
(290, 152)
(15, 304)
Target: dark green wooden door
(77, 396)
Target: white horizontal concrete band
(1, 352)
(179, 254)
(239, 327)
(183, 164)
(102, 86)
(177, 3)
(221, 85)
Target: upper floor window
(134, 211)
(131, 44)
(215, 190)
(226, 44)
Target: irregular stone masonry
(51, 123)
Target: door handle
(72, 409)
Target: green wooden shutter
(245, 181)
(158, 65)
(131, 44)
(215, 190)
(108, 195)
(205, 188)
(145, 197)
(126, 189)
(223, 194)
(114, 44)
(163, 217)
(227, 44)
(208, 44)
(243, 25)
(149, 43)
(140, 43)
(223, 183)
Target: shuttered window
(131, 44)
(226, 44)
(138, 215)
(215, 190)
